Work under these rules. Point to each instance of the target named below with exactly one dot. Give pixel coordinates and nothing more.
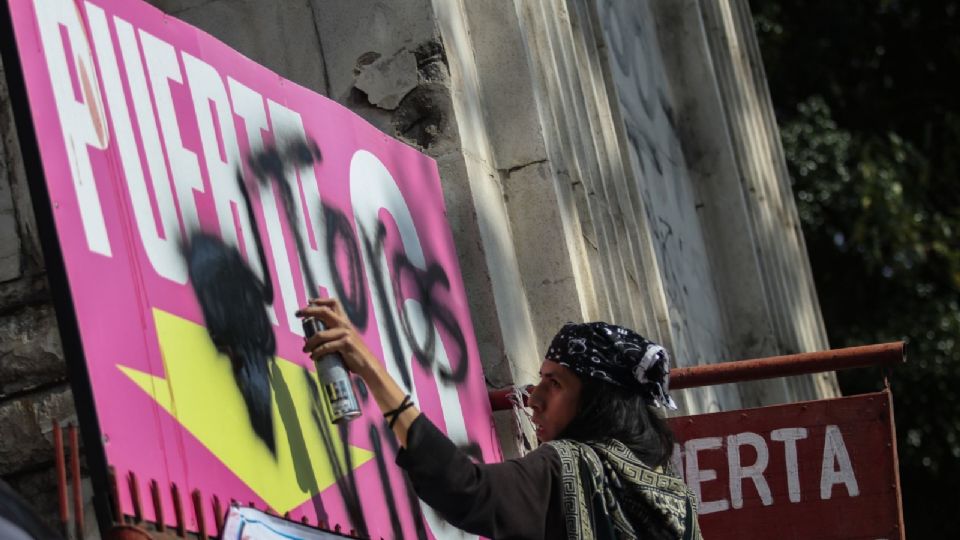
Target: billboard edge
(56, 273)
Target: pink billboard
(198, 200)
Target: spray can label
(334, 380)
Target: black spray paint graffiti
(272, 166)
(653, 134)
(232, 299)
(426, 283)
(352, 293)
(226, 287)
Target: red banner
(821, 469)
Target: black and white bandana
(615, 355)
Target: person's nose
(534, 401)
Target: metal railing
(881, 355)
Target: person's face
(554, 400)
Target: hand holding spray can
(335, 380)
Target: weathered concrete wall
(281, 35)
(648, 110)
(790, 294)
(731, 144)
(639, 192)
(33, 381)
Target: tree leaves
(869, 111)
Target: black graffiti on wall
(274, 166)
(234, 303)
(233, 299)
(350, 288)
(429, 283)
(271, 166)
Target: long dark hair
(607, 411)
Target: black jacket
(519, 498)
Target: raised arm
(341, 337)
(500, 500)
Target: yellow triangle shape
(200, 392)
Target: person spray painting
(602, 470)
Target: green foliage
(869, 110)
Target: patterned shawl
(608, 493)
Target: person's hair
(607, 411)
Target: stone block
(18, 227)
(26, 433)
(425, 120)
(506, 85)
(9, 236)
(30, 350)
(29, 289)
(473, 269)
(501, 271)
(39, 490)
(174, 7)
(543, 253)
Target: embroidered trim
(606, 492)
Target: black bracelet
(393, 415)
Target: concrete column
(483, 179)
(728, 230)
(644, 107)
(547, 261)
(795, 311)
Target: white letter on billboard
(287, 123)
(789, 438)
(162, 251)
(83, 122)
(163, 67)
(206, 88)
(696, 476)
(754, 472)
(249, 106)
(373, 188)
(835, 451)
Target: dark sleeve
(500, 500)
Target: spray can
(335, 380)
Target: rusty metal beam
(197, 497)
(76, 480)
(157, 506)
(218, 515)
(178, 510)
(115, 496)
(882, 355)
(134, 487)
(60, 458)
